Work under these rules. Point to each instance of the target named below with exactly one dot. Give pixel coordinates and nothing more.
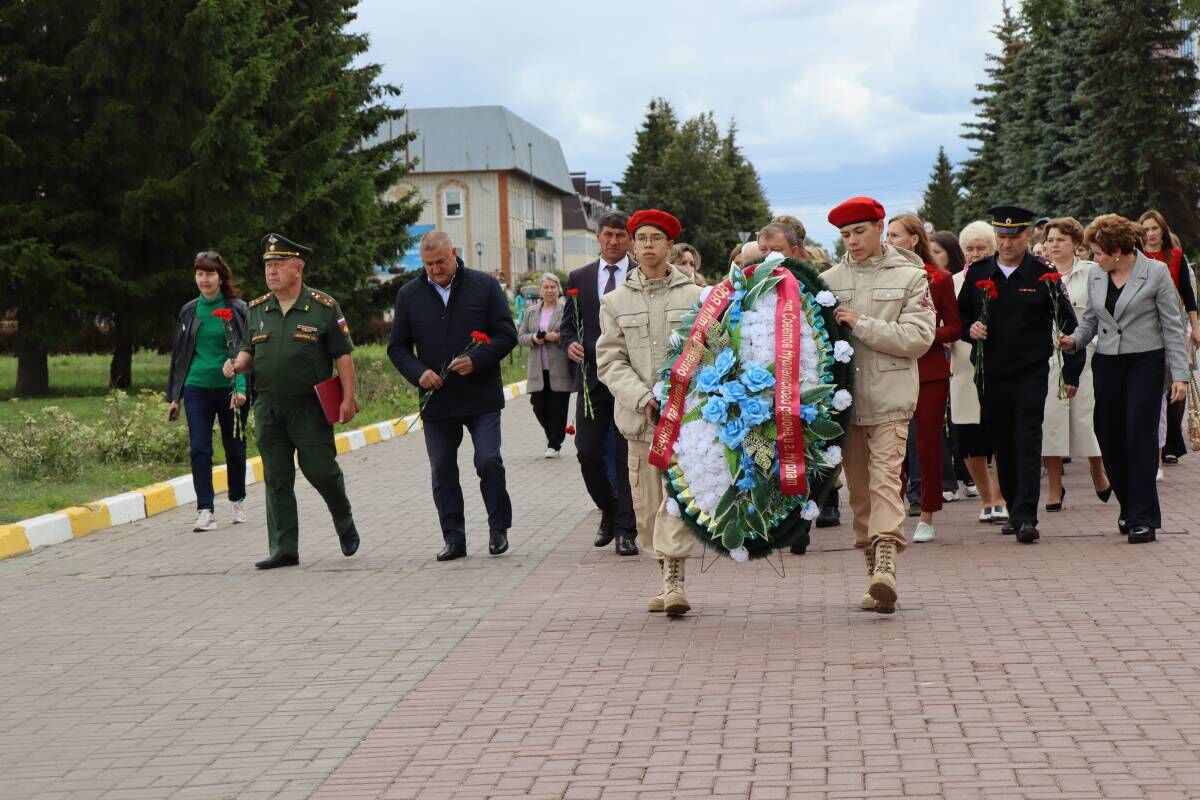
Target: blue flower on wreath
(755, 410)
(808, 413)
(746, 482)
(732, 433)
(715, 410)
(757, 377)
(709, 380)
(734, 391)
(725, 362)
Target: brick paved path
(155, 663)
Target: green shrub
(134, 430)
(379, 382)
(49, 444)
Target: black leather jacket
(185, 345)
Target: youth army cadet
(295, 336)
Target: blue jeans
(442, 438)
(201, 406)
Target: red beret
(855, 210)
(659, 219)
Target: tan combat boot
(868, 603)
(674, 600)
(883, 581)
(658, 602)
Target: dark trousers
(296, 428)
(1175, 445)
(1013, 406)
(591, 445)
(1128, 402)
(442, 438)
(550, 408)
(923, 463)
(201, 406)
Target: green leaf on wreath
(818, 395)
(759, 290)
(825, 429)
(732, 536)
(725, 503)
(732, 460)
(694, 415)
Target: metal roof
(480, 139)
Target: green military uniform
(292, 352)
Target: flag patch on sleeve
(343, 326)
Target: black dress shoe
(607, 530)
(1009, 528)
(349, 541)
(279, 560)
(1141, 534)
(626, 546)
(1059, 505)
(497, 542)
(1122, 527)
(1028, 534)
(914, 509)
(829, 517)
(1104, 495)
(452, 551)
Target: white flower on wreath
(833, 454)
(842, 400)
(810, 511)
(660, 391)
(842, 351)
(826, 298)
(740, 555)
(673, 507)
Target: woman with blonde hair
(687, 258)
(1067, 426)
(547, 372)
(978, 240)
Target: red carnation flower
(1051, 277)
(479, 337)
(223, 313)
(989, 287)
(572, 292)
(570, 430)
(935, 277)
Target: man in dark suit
(435, 315)
(1016, 343)
(593, 281)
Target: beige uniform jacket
(896, 326)
(636, 322)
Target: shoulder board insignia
(258, 300)
(323, 298)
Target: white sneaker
(999, 514)
(923, 533)
(986, 514)
(971, 490)
(949, 496)
(1159, 476)
(551, 453)
(207, 521)
(239, 512)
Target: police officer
(1016, 343)
(295, 336)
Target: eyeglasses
(207, 255)
(654, 238)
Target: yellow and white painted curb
(79, 521)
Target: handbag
(1193, 413)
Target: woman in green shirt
(198, 354)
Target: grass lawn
(79, 384)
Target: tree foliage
(700, 176)
(940, 203)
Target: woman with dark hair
(1159, 246)
(1133, 306)
(946, 252)
(199, 353)
(933, 368)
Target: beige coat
(896, 327)
(636, 322)
(560, 370)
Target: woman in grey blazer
(549, 377)
(1133, 308)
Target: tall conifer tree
(940, 203)
(641, 178)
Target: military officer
(295, 336)
(1016, 344)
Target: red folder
(330, 394)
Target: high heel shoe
(1059, 505)
(1104, 495)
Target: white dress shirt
(444, 291)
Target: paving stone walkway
(152, 662)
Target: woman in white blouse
(1067, 428)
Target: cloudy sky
(831, 99)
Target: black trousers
(550, 408)
(591, 446)
(1013, 406)
(1175, 444)
(442, 438)
(1128, 402)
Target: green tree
(1135, 144)
(642, 178)
(940, 203)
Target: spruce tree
(746, 206)
(641, 178)
(940, 203)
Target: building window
(453, 199)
